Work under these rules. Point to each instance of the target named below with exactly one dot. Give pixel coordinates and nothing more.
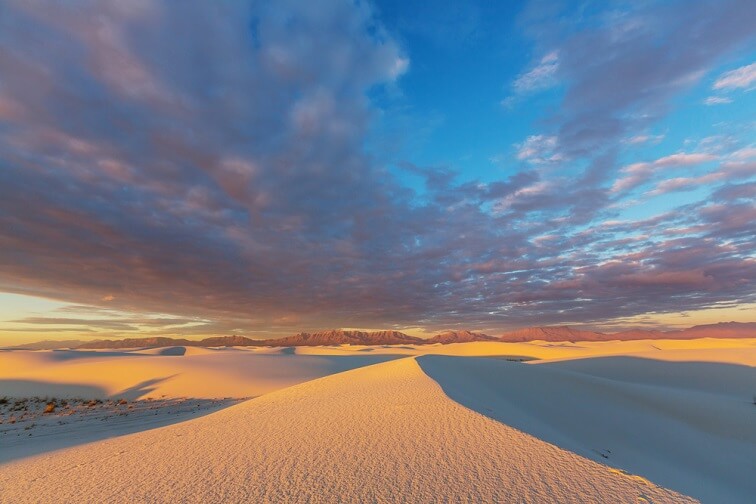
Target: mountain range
(353, 337)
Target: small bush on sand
(50, 408)
(19, 405)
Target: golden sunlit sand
(639, 421)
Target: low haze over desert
(377, 251)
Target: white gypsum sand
(676, 413)
(383, 433)
(141, 373)
(684, 425)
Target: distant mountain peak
(459, 336)
(50, 345)
(346, 337)
(552, 333)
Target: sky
(264, 168)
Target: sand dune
(737, 351)
(169, 372)
(685, 425)
(383, 433)
(584, 422)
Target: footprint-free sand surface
(657, 421)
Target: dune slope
(685, 425)
(170, 372)
(383, 433)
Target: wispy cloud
(638, 174)
(538, 149)
(717, 100)
(542, 76)
(740, 78)
(642, 139)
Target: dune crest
(386, 433)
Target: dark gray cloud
(212, 164)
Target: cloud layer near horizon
(213, 164)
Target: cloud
(538, 149)
(114, 325)
(717, 100)
(638, 174)
(685, 183)
(620, 70)
(622, 67)
(740, 78)
(211, 154)
(641, 139)
(684, 159)
(223, 178)
(542, 76)
(743, 154)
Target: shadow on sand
(689, 426)
(34, 388)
